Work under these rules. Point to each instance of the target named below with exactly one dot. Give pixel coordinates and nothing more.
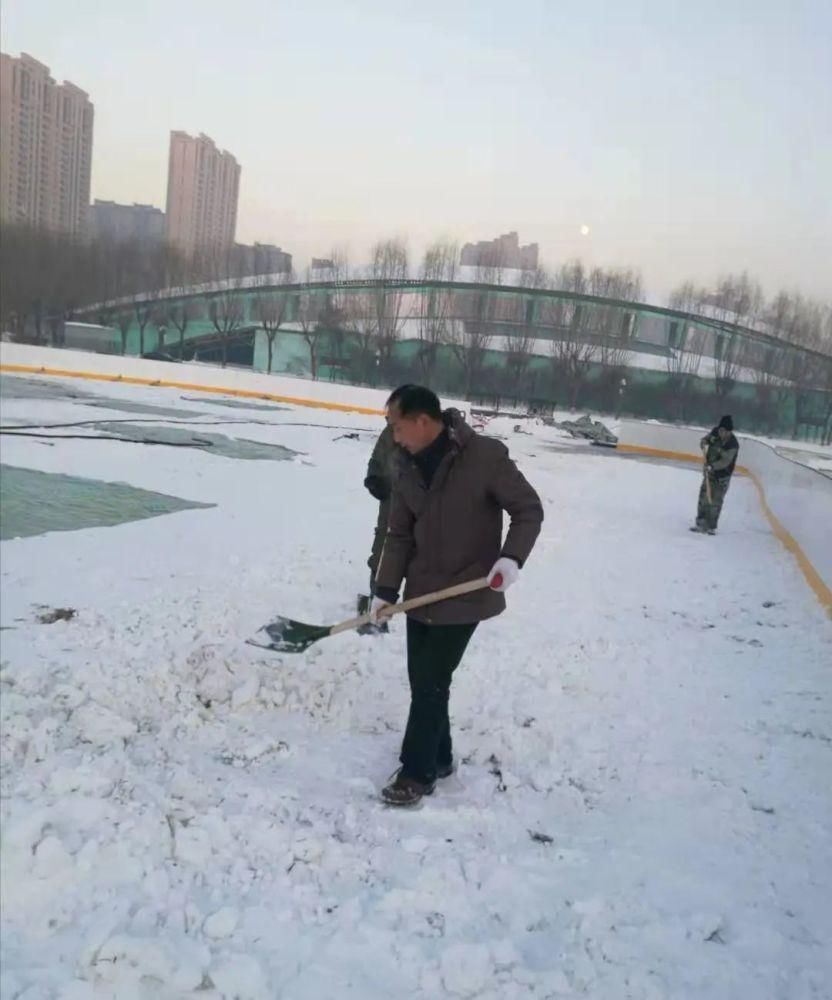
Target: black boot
(404, 791)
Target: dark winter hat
(727, 422)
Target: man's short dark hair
(416, 399)
(396, 393)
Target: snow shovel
(284, 635)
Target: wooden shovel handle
(707, 477)
(415, 602)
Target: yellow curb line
(190, 387)
(811, 575)
(813, 578)
(678, 456)
(822, 592)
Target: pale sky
(690, 138)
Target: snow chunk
(51, 858)
(221, 924)
(415, 845)
(124, 959)
(100, 725)
(466, 969)
(241, 977)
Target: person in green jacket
(720, 449)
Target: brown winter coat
(453, 531)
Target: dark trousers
(707, 514)
(433, 653)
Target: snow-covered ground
(642, 808)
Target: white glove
(380, 610)
(503, 574)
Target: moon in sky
(584, 230)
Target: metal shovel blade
(284, 635)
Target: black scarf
(428, 460)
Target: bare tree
(180, 314)
(688, 298)
(272, 309)
(124, 320)
(469, 337)
(182, 307)
(48, 277)
(686, 347)
(572, 351)
(804, 329)
(160, 321)
(491, 266)
(157, 265)
(520, 316)
(727, 356)
(144, 307)
(227, 314)
(336, 308)
(611, 327)
(824, 384)
(737, 301)
(310, 306)
(362, 322)
(768, 364)
(469, 340)
(388, 264)
(613, 324)
(537, 278)
(687, 341)
(522, 332)
(824, 374)
(435, 304)
(340, 261)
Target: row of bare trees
(573, 334)
(782, 345)
(46, 278)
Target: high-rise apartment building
(503, 252)
(45, 148)
(260, 259)
(141, 224)
(203, 189)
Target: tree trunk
(427, 359)
(224, 338)
(270, 339)
(574, 391)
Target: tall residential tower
(45, 148)
(203, 189)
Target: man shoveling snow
(446, 519)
